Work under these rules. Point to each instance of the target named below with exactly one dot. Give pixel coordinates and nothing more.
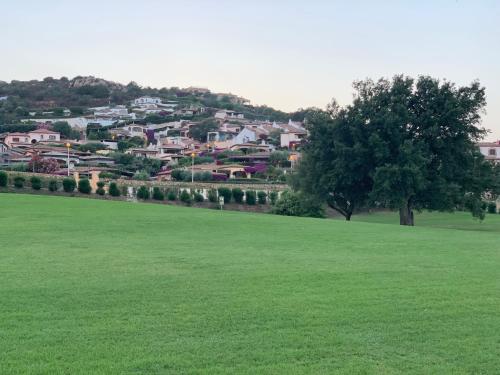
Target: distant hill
(19, 98)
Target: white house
(44, 135)
(16, 138)
(226, 114)
(136, 130)
(147, 100)
(290, 138)
(244, 136)
(490, 150)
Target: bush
(185, 197)
(171, 196)
(262, 197)
(238, 195)
(100, 188)
(141, 176)
(212, 196)
(69, 185)
(492, 208)
(53, 185)
(19, 182)
(273, 197)
(143, 193)
(296, 204)
(226, 193)
(158, 194)
(84, 186)
(250, 197)
(198, 197)
(4, 178)
(113, 189)
(36, 183)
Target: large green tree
(403, 143)
(200, 131)
(335, 165)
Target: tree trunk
(406, 215)
(348, 216)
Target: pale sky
(286, 54)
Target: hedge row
(69, 185)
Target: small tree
(158, 194)
(36, 183)
(198, 197)
(143, 193)
(41, 165)
(19, 182)
(3, 179)
(84, 186)
(171, 196)
(185, 197)
(226, 193)
(69, 185)
(212, 196)
(250, 197)
(53, 186)
(238, 195)
(113, 189)
(273, 197)
(262, 197)
(100, 188)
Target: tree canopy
(403, 143)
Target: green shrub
(100, 188)
(158, 194)
(212, 196)
(143, 193)
(69, 185)
(113, 189)
(53, 185)
(492, 208)
(296, 204)
(185, 197)
(36, 183)
(262, 197)
(4, 178)
(273, 197)
(19, 182)
(171, 195)
(226, 193)
(250, 197)
(198, 197)
(84, 186)
(238, 195)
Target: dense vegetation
(404, 144)
(77, 94)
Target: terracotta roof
(43, 131)
(489, 144)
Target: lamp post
(192, 166)
(68, 145)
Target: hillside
(19, 98)
(91, 286)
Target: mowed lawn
(97, 287)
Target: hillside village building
(490, 150)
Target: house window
(492, 152)
(52, 137)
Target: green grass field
(97, 287)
